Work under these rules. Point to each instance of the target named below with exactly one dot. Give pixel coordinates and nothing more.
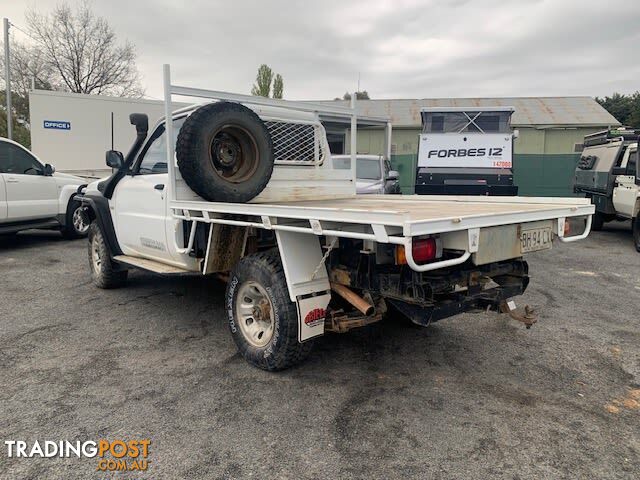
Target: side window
(154, 156)
(18, 161)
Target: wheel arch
(98, 210)
(66, 196)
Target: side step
(19, 226)
(150, 265)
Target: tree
(625, 108)
(28, 67)
(634, 118)
(264, 79)
(278, 86)
(21, 133)
(83, 52)
(262, 87)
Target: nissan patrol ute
(244, 188)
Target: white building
(72, 131)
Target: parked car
(32, 195)
(373, 172)
(607, 174)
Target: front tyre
(636, 232)
(104, 272)
(262, 319)
(76, 222)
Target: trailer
(305, 255)
(466, 151)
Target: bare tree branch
(83, 52)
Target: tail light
(567, 227)
(424, 250)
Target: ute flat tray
(407, 215)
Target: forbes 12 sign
(489, 150)
(57, 125)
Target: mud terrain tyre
(636, 232)
(225, 153)
(104, 272)
(262, 318)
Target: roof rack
(625, 134)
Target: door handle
(13, 180)
(159, 186)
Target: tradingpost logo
(113, 456)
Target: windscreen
(368, 169)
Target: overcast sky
(401, 48)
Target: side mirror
(115, 159)
(393, 175)
(618, 171)
(48, 170)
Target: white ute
(302, 254)
(626, 191)
(33, 195)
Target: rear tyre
(636, 233)
(76, 222)
(104, 272)
(598, 221)
(262, 319)
(225, 153)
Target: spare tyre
(225, 153)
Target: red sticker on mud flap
(315, 317)
(312, 312)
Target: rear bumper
(493, 297)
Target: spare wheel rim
(234, 154)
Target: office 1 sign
(56, 125)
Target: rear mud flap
(312, 311)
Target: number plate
(535, 239)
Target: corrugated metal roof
(529, 111)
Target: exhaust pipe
(353, 298)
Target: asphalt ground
(475, 396)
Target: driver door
(141, 210)
(30, 194)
